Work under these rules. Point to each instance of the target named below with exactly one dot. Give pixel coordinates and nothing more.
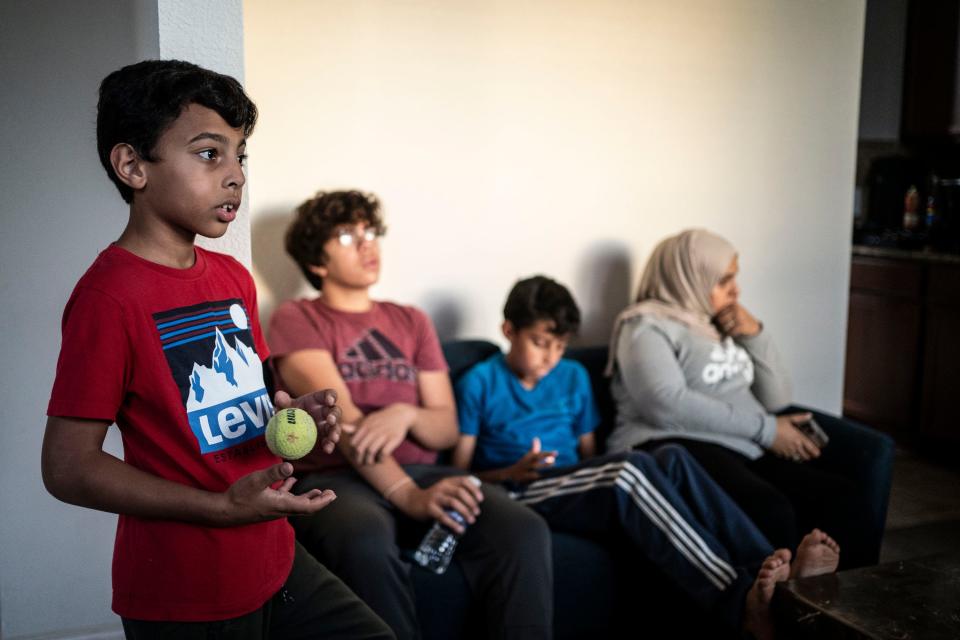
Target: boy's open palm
(254, 497)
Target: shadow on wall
(278, 276)
(603, 289)
(446, 312)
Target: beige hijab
(677, 281)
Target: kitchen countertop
(924, 255)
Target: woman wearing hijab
(690, 365)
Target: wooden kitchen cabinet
(883, 343)
(903, 347)
(941, 370)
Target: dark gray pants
(786, 499)
(505, 555)
(312, 604)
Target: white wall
(58, 211)
(209, 34)
(565, 137)
(562, 137)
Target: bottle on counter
(911, 204)
(930, 217)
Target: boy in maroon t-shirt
(385, 363)
(162, 338)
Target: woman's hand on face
(790, 442)
(736, 321)
(460, 493)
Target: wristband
(396, 485)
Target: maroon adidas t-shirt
(378, 354)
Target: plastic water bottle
(437, 547)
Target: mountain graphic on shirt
(234, 371)
(228, 402)
(212, 355)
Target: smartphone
(815, 432)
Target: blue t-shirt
(505, 417)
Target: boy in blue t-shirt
(527, 420)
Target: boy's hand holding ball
(322, 408)
(291, 433)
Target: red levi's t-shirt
(378, 354)
(173, 356)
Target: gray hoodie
(672, 382)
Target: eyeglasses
(348, 237)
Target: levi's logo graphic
(210, 353)
(374, 357)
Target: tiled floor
(924, 513)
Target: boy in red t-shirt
(162, 338)
(385, 363)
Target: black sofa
(600, 588)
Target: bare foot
(817, 554)
(756, 609)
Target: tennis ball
(291, 433)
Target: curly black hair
(541, 298)
(140, 101)
(317, 218)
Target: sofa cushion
(461, 355)
(594, 360)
